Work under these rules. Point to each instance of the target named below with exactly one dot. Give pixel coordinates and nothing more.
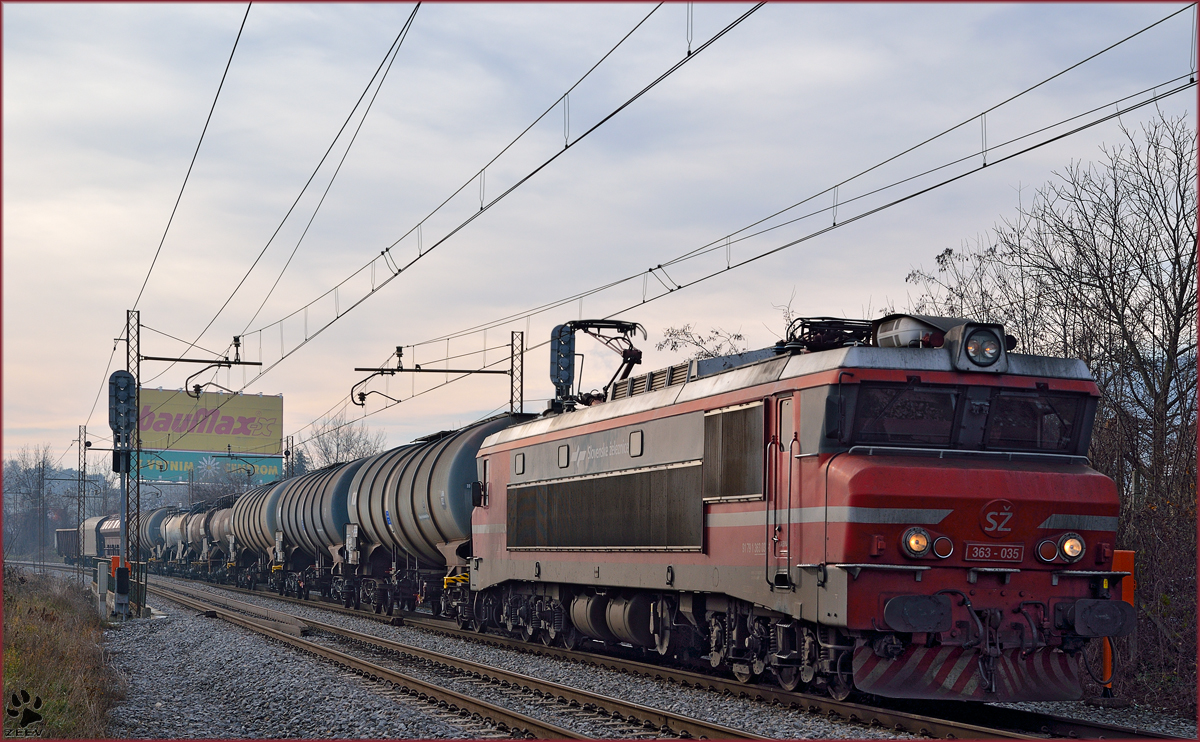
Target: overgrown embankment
(53, 652)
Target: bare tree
(1102, 266)
(336, 441)
(27, 499)
(717, 342)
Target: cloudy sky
(104, 105)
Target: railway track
(948, 721)
(632, 719)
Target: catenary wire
(178, 339)
(393, 274)
(479, 172)
(716, 245)
(338, 169)
(103, 382)
(954, 128)
(300, 195)
(194, 155)
(1059, 74)
(967, 121)
(483, 209)
(712, 247)
(805, 238)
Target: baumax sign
(221, 423)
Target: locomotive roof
(785, 367)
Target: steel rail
(944, 721)
(501, 717)
(903, 721)
(947, 720)
(665, 722)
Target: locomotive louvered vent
(677, 374)
(651, 382)
(733, 460)
(653, 509)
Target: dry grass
(52, 650)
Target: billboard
(216, 422)
(180, 466)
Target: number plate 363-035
(994, 552)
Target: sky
(104, 104)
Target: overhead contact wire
(957, 126)
(342, 161)
(303, 190)
(820, 232)
(286, 354)
(194, 155)
(505, 193)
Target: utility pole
(289, 458)
(516, 395)
(79, 505)
(123, 419)
(133, 364)
(42, 514)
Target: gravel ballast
(188, 676)
(772, 721)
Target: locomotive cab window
(1033, 421)
(905, 414)
(969, 418)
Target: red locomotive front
(903, 507)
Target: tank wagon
(382, 530)
(902, 507)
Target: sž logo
(996, 518)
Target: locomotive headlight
(916, 542)
(983, 347)
(1071, 546)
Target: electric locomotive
(902, 507)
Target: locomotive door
(783, 488)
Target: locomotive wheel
(839, 690)
(571, 638)
(789, 677)
(549, 637)
(841, 683)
